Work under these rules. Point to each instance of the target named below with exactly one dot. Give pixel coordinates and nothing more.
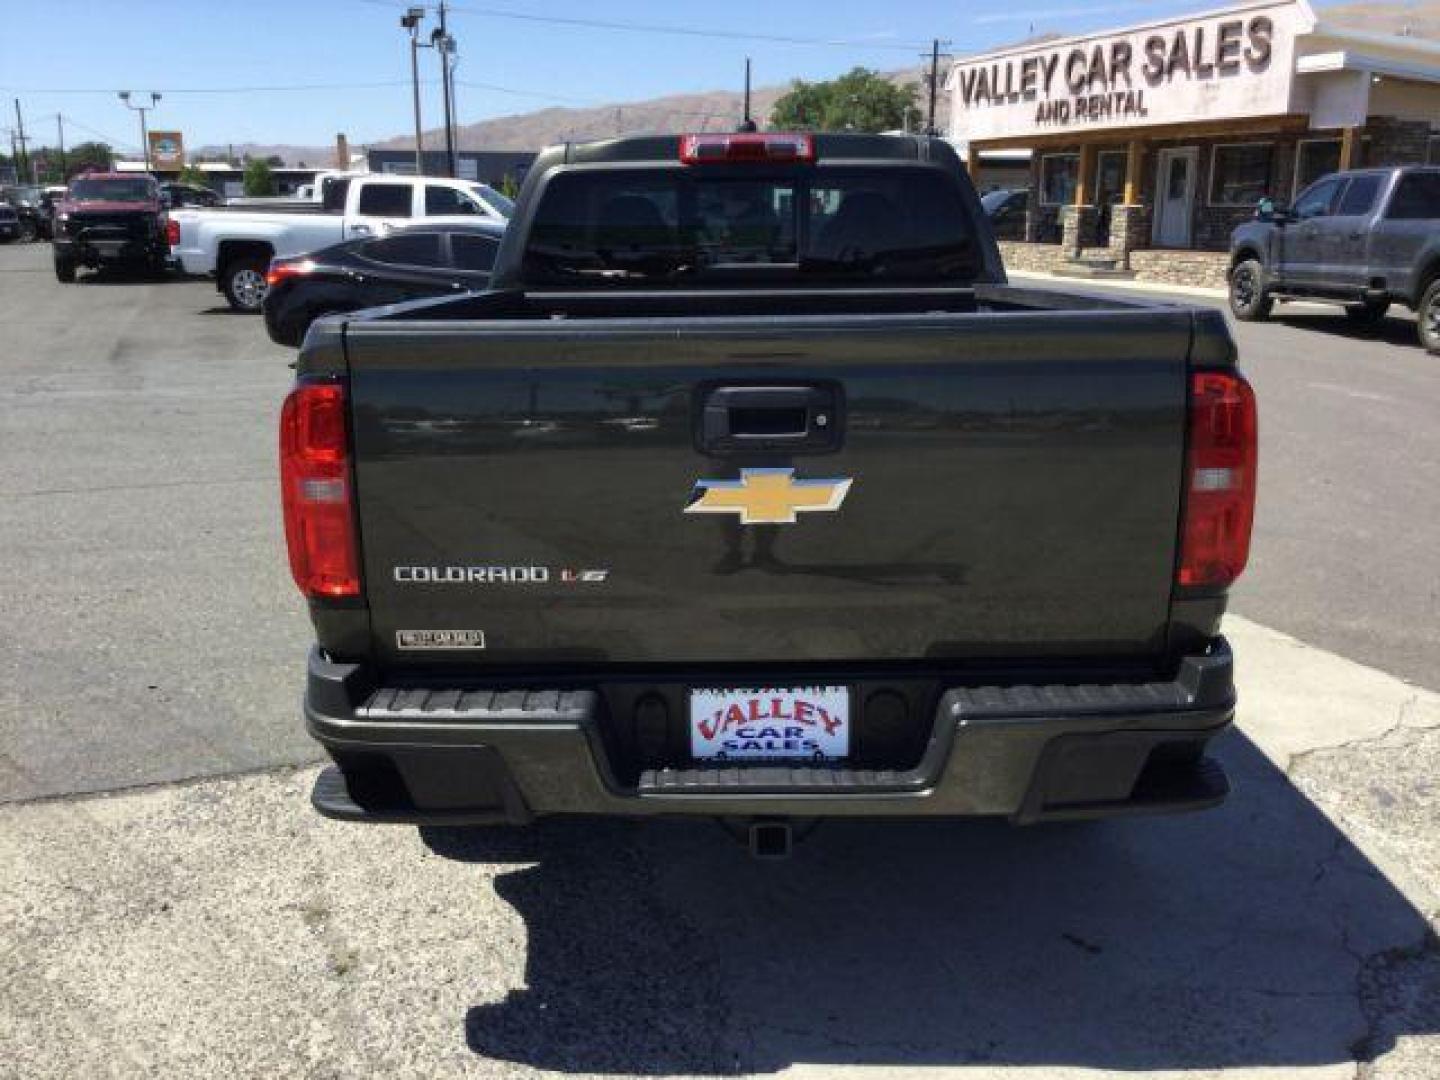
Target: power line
(666, 28)
(118, 143)
(293, 87)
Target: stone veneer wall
(1042, 224)
(1079, 228)
(1202, 269)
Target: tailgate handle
(793, 419)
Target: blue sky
(53, 51)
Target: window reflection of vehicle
(118, 190)
(860, 222)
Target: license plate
(808, 723)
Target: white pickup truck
(235, 244)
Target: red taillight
(1219, 480)
(172, 232)
(315, 491)
(720, 147)
(280, 270)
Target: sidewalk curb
(1112, 283)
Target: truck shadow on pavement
(1389, 330)
(1249, 936)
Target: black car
(1006, 212)
(406, 264)
(32, 220)
(189, 195)
(9, 223)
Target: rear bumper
(1026, 752)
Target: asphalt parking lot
(169, 905)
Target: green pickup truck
(750, 489)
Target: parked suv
(108, 219)
(25, 200)
(1005, 210)
(1367, 238)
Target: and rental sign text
(1235, 63)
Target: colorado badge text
(767, 496)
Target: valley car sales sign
(1233, 63)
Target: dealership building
(1150, 143)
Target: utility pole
(144, 131)
(445, 46)
(411, 21)
(60, 129)
(747, 124)
(23, 161)
(934, 81)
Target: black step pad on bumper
(774, 780)
(479, 706)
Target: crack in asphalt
(154, 486)
(1299, 758)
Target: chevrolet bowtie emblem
(766, 496)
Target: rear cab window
(406, 249)
(385, 200)
(1417, 197)
(690, 226)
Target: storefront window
(1315, 158)
(1240, 174)
(1059, 173)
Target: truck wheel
(1248, 300)
(1368, 313)
(244, 283)
(64, 270)
(1429, 313)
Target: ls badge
(767, 496)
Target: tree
(275, 161)
(860, 100)
(508, 187)
(259, 180)
(88, 155)
(192, 174)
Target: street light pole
(411, 21)
(144, 131)
(934, 85)
(445, 46)
(22, 163)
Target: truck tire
(243, 281)
(1249, 302)
(1429, 317)
(1368, 313)
(64, 269)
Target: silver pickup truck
(1366, 238)
(235, 245)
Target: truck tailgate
(1014, 486)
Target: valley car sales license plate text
(803, 724)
